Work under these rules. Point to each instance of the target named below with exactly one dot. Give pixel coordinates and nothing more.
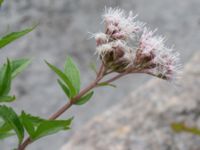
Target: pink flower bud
(119, 25)
(148, 53)
(101, 38)
(152, 49)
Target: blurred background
(64, 29)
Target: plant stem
(64, 108)
(101, 73)
(116, 77)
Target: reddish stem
(64, 108)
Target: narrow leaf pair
(37, 127)
(70, 81)
(12, 122)
(67, 84)
(7, 72)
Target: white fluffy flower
(112, 46)
(103, 49)
(148, 42)
(167, 61)
(119, 25)
(149, 54)
(113, 15)
(164, 59)
(116, 55)
(101, 38)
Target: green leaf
(64, 78)
(72, 71)
(38, 127)
(85, 98)
(10, 117)
(4, 135)
(1, 1)
(13, 36)
(64, 88)
(30, 123)
(7, 72)
(18, 66)
(27, 124)
(7, 98)
(34, 119)
(5, 79)
(181, 127)
(1, 123)
(5, 127)
(5, 130)
(49, 127)
(106, 84)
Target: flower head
(116, 55)
(119, 25)
(150, 55)
(101, 38)
(155, 57)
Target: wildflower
(167, 64)
(157, 59)
(119, 25)
(115, 55)
(101, 38)
(150, 55)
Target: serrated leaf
(64, 78)
(13, 36)
(30, 123)
(72, 71)
(7, 98)
(106, 84)
(5, 79)
(27, 123)
(38, 127)
(10, 117)
(18, 66)
(64, 88)
(49, 127)
(84, 98)
(34, 119)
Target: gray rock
(63, 30)
(142, 120)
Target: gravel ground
(63, 30)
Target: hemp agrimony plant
(125, 47)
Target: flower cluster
(150, 55)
